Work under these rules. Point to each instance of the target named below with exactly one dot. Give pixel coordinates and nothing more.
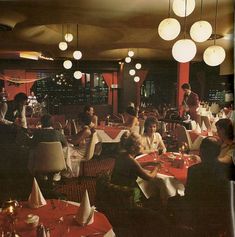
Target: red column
(108, 79)
(183, 77)
(115, 94)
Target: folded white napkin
(198, 129)
(36, 198)
(85, 214)
(224, 115)
(213, 127)
(203, 128)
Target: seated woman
(131, 119)
(127, 169)
(225, 132)
(151, 140)
(81, 142)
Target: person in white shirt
(32, 99)
(152, 140)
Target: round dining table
(58, 217)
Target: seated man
(89, 110)
(46, 134)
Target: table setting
(172, 174)
(52, 218)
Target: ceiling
(106, 29)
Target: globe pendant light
(184, 50)
(131, 53)
(68, 37)
(63, 45)
(67, 64)
(136, 79)
(138, 66)
(77, 54)
(201, 30)
(169, 28)
(132, 72)
(77, 75)
(214, 55)
(180, 9)
(127, 59)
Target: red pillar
(115, 94)
(183, 77)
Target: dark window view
(63, 89)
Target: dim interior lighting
(138, 66)
(183, 8)
(127, 59)
(77, 54)
(184, 50)
(214, 55)
(136, 78)
(132, 72)
(77, 75)
(131, 53)
(169, 29)
(63, 46)
(68, 37)
(201, 31)
(67, 64)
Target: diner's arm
(142, 173)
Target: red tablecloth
(194, 135)
(167, 168)
(112, 132)
(50, 218)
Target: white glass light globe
(77, 75)
(184, 50)
(63, 46)
(214, 55)
(131, 53)
(138, 65)
(179, 7)
(201, 31)
(67, 64)
(136, 78)
(132, 72)
(169, 29)
(77, 54)
(68, 37)
(127, 59)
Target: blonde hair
(130, 141)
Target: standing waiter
(190, 101)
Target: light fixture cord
(185, 18)
(169, 9)
(201, 10)
(216, 12)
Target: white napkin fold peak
(203, 128)
(36, 198)
(85, 214)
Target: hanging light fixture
(184, 50)
(138, 66)
(169, 28)
(180, 9)
(77, 54)
(68, 37)
(77, 74)
(130, 53)
(214, 55)
(132, 72)
(63, 45)
(67, 64)
(127, 59)
(201, 30)
(136, 79)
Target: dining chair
(183, 136)
(48, 159)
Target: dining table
(171, 177)
(58, 217)
(111, 133)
